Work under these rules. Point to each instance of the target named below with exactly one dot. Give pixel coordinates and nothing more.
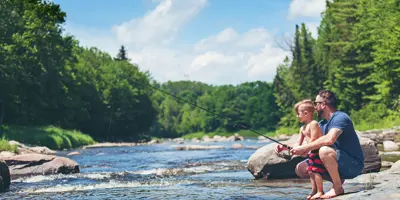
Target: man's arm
(325, 140)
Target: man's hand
(299, 150)
(279, 148)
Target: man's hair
(307, 105)
(329, 97)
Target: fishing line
(234, 125)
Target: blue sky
(212, 41)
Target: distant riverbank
(50, 136)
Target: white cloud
(313, 28)
(306, 8)
(161, 24)
(228, 57)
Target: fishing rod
(234, 125)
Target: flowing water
(159, 172)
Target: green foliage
(375, 116)
(47, 79)
(5, 146)
(49, 136)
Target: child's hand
(279, 148)
(299, 150)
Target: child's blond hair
(307, 105)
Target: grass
(5, 146)
(387, 122)
(49, 136)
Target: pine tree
(122, 54)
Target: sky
(216, 42)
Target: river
(159, 172)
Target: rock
(390, 146)
(23, 149)
(40, 164)
(395, 167)
(237, 146)
(195, 140)
(372, 158)
(110, 144)
(206, 139)
(265, 163)
(6, 154)
(389, 134)
(238, 137)
(5, 178)
(391, 153)
(179, 140)
(386, 164)
(74, 153)
(196, 147)
(155, 141)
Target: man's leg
(328, 157)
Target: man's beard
(319, 114)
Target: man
(339, 147)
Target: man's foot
(311, 195)
(333, 193)
(317, 195)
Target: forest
(48, 78)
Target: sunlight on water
(157, 172)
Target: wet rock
(110, 144)
(155, 141)
(237, 146)
(390, 146)
(265, 163)
(196, 147)
(74, 153)
(40, 164)
(5, 178)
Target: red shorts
(315, 164)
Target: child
(311, 131)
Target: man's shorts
(348, 167)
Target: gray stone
(390, 146)
(265, 163)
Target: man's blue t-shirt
(348, 140)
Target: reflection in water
(158, 172)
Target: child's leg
(319, 185)
(313, 185)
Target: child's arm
(315, 131)
(301, 137)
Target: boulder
(23, 149)
(5, 179)
(372, 158)
(265, 163)
(40, 164)
(390, 146)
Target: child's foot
(333, 193)
(317, 195)
(312, 194)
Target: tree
(122, 54)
